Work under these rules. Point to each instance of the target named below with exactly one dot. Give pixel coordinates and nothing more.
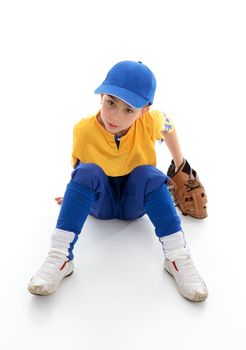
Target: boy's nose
(114, 119)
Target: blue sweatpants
(143, 191)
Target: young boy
(115, 176)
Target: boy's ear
(145, 109)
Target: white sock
(174, 246)
(60, 243)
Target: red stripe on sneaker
(63, 265)
(175, 266)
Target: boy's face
(117, 116)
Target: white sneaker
(189, 282)
(50, 275)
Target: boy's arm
(173, 145)
(188, 192)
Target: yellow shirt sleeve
(74, 158)
(168, 126)
(162, 124)
(78, 128)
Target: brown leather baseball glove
(187, 191)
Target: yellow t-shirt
(93, 144)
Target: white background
(53, 55)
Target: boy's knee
(90, 175)
(146, 178)
(146, 171)
(143, 171)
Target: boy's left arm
(187, 190)
(172, 142)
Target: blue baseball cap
(130, 81)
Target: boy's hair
(130, 81)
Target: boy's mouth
(112, 125)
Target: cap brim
(125, 95)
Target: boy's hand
(187, 190)
(59, 200)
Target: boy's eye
(110, 102)
(129, 111)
